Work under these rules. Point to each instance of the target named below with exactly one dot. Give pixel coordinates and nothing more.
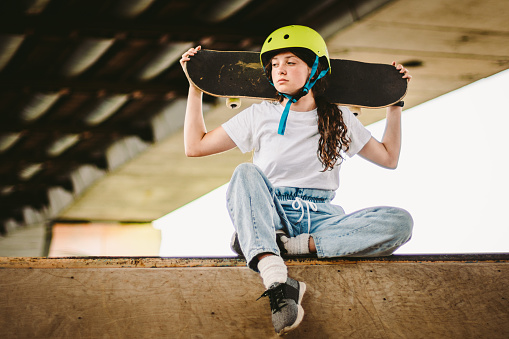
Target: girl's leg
(376, 231)
(255, 212)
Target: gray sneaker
(235, 245)
(285, 300)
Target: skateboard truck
(356, 110)
(233, 103)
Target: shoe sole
(300, 312)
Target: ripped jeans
(258, 209)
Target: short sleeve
(358, 134)
(240, 129)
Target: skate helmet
(296, 37)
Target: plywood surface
(354, 299)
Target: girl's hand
(402, 70)
(185, 58)
(187, 55)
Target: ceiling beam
(64, 161)
(113, 131)
(65, 27)
(176, 88)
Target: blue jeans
(258, 210)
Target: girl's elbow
(191, 152)
(193, 155)
(392, 164)
(388, 162)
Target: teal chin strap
(291, 99)
(310, 83)
(284, 116)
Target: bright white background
(453, 177)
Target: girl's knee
(246, 177)
(402, 222)
(245, 171)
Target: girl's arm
(386, 153)
(198, 142)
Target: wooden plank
(454, 297)
(160, 262)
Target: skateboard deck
(240, 75)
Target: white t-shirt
(291, 159)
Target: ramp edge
(180, 262)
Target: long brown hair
(331, 126)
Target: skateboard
(239, 74)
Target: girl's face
(289, 73)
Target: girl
(298, 141)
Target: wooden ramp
(457, 296)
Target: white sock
(272, 269)
(297, 245)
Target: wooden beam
(134, 297)
(175, 87)
(62, 26)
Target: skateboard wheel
(233, 103)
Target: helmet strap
(305, 90)
(310, 83)
(284, 116)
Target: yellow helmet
(295, 36)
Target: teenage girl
(299, 142)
